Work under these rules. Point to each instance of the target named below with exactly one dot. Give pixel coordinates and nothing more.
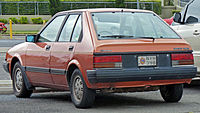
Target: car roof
(104, 10)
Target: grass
(22, 32)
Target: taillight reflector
(107, 61)
(182, 59)
(104, 59)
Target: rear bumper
(6, 66)
(136, 74)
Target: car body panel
(37, 57)
(60, 57)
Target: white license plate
(146, 60)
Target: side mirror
(177, 17)
(191, 19)
(31, 38)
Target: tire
(172, 93)
(82, 97)
(19, 87)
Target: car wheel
(19, 87)
(81, 96)
(172, 93)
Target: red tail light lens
(107, 62)
(182, 59)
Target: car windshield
(130, 25)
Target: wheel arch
(15, 59)
(73, 64)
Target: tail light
(107, 61)
(182, 59)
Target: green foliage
(9, 8)
(54, 6)
(3, 20)
(119, 3)
(15, 20)
(175, 11)
(168, 3)
(157, 7)
(23, 20)
(37, 20)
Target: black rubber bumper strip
(136, 74)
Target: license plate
(146, 60)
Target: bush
(14, 20)
(3, 20)
(23, 20)
(54, 6)
(37, 20)
(119, 3)
(175, 11)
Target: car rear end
(127, 59)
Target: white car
(187, 24)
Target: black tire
(81, 95)
(172, 93)
(19, 87)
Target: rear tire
(19, 87)
(81, 95)
(172, 93)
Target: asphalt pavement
(10, 43)
(139, 102)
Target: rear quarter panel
(83, 54)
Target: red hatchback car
(102, 50)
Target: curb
(4, 49)
(6, 87)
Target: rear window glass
(126, 25)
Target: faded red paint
(34, 54)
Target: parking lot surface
(140, 102)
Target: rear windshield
(129, 25)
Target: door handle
(196, 32)
(71, 48)
(47, 47)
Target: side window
(68, 28)
(193, 11)
(50, 32)
(77, 30)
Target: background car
(3, 28)
(187, 25)
(169, 20)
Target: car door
(190, 30)
(38, 54)
(62, 51)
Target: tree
(54, 6)
(119, 3)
